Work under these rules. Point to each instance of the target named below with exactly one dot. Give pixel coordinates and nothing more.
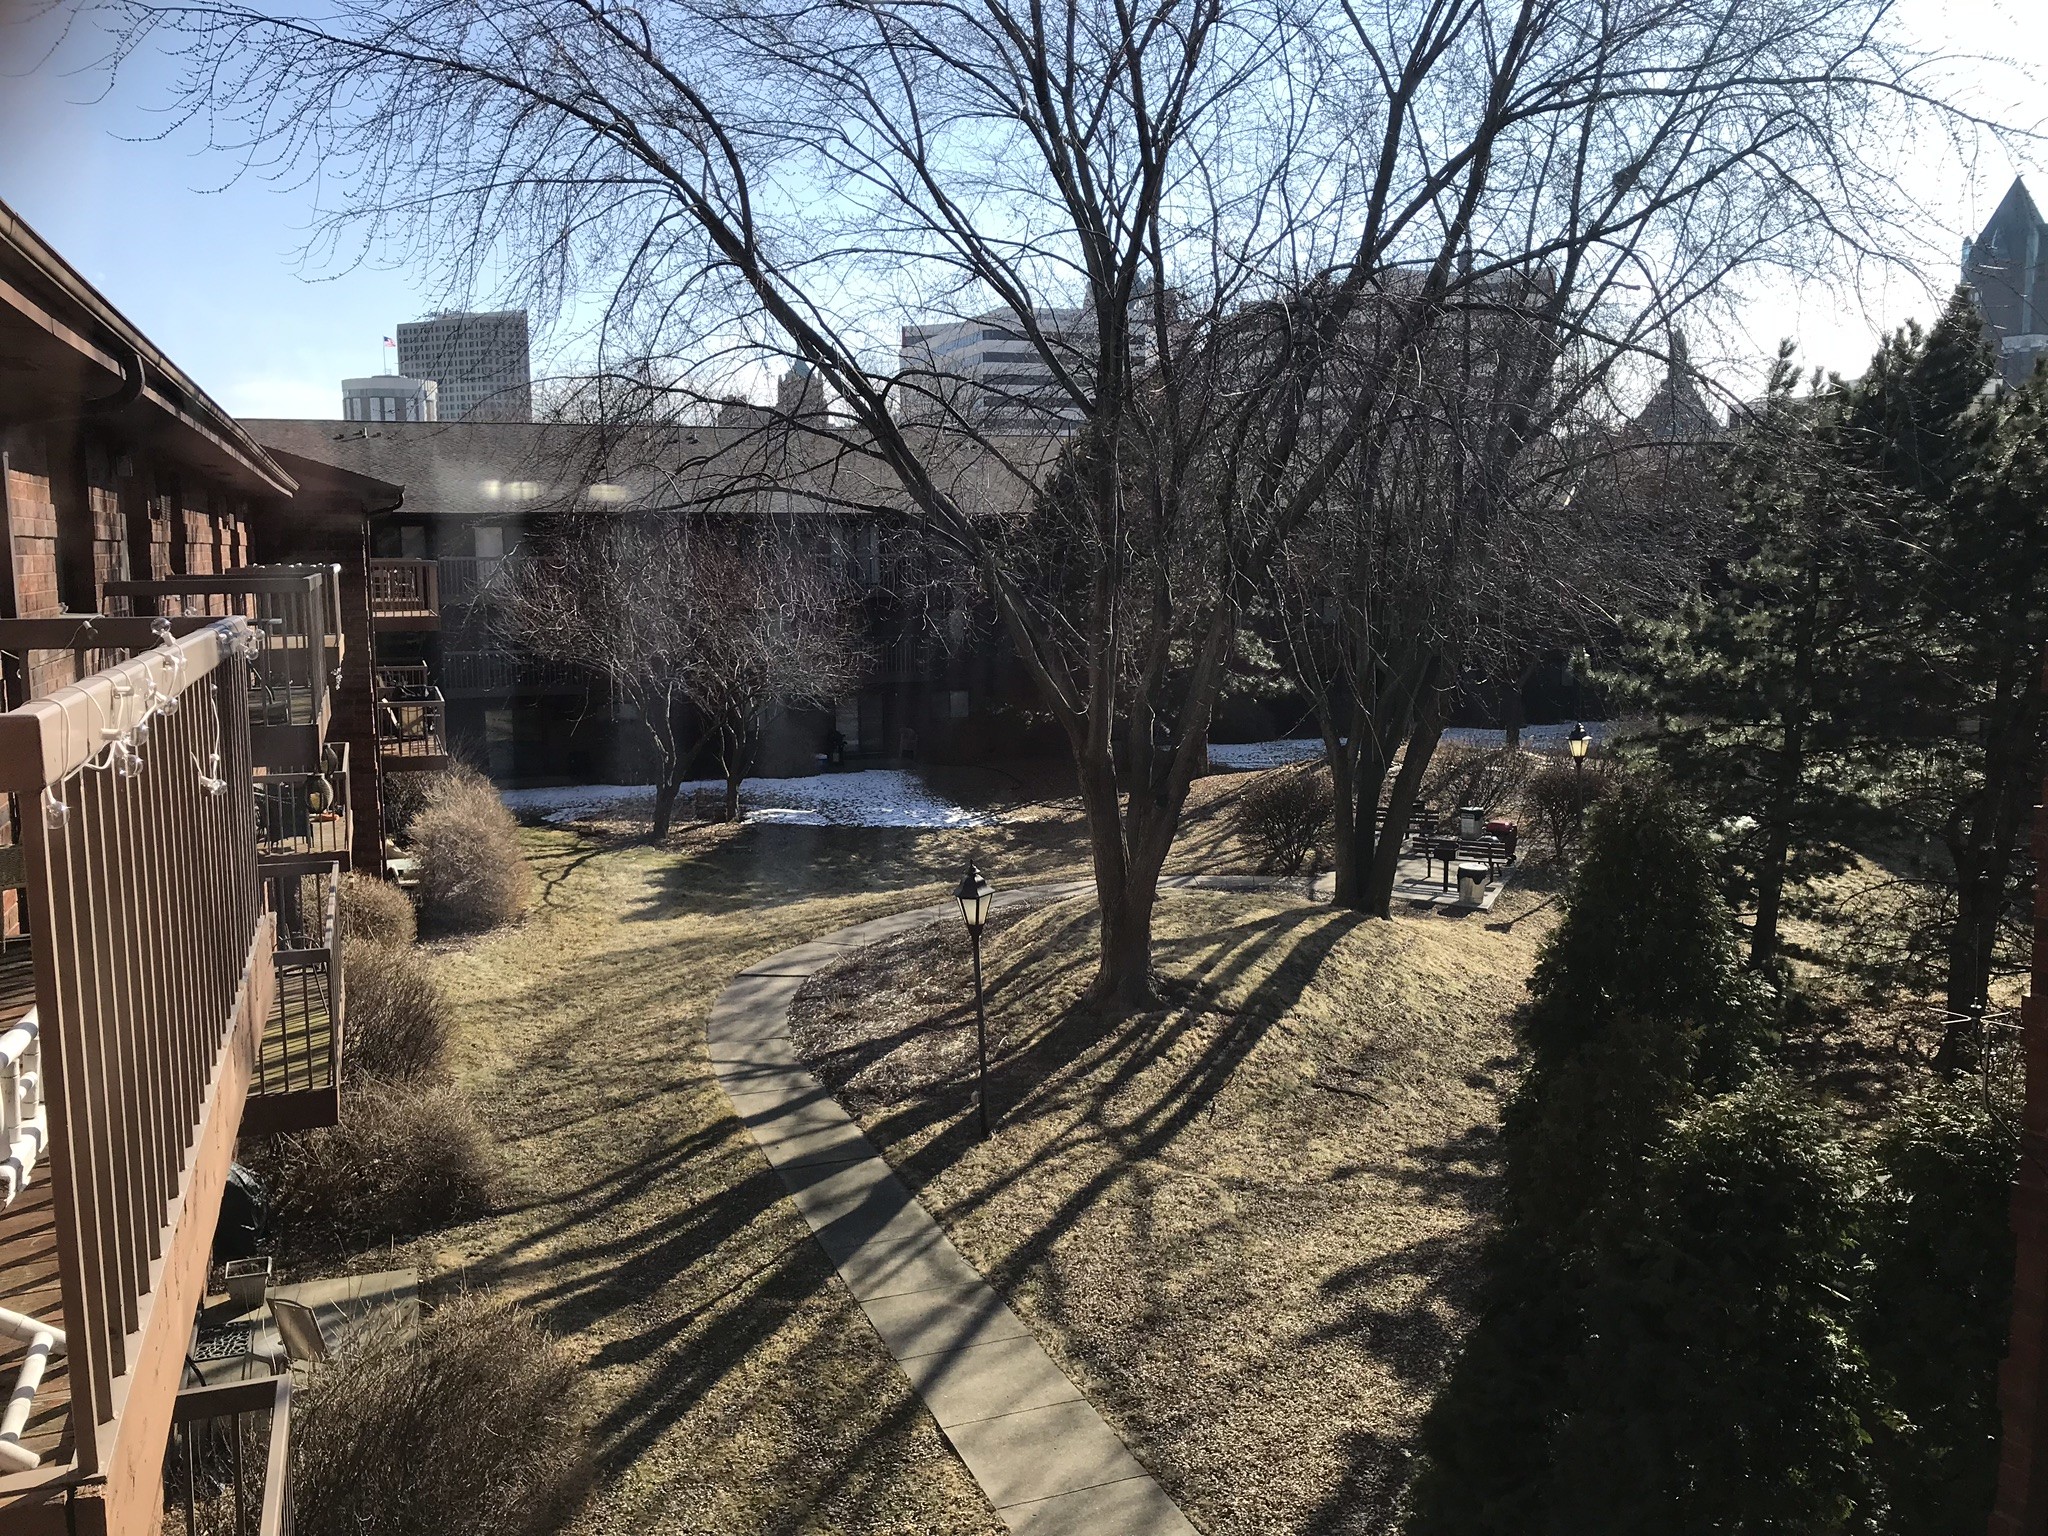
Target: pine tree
(1759, 682)
(1639, 1004)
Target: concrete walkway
(1041, 1453)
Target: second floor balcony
(295, 668)
(136, 975)
(305, 813)
(405, 594)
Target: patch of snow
(1245, 755)
(866, 797)
(1536, 738)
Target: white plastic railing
(43, 1341)
(24, 1127)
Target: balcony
(303, 814)
(465, 578)
(412, 720)
(229, 1467)
(297, 1081)
(295, 671)
(129, 1026)
(483, 674)
(405, 594)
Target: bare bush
(472, 874)
(405, 1159)
(1285, 817)
(468, 1427)
(1489, 776)
(1559, 793)
(376, 910)
(395, 1026)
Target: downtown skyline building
(481, 363)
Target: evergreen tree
(1759, 684)
(1935, 1298)
(1978, 601)
(1639, 1001)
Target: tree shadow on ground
(1082, 1073)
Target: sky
(209, 268)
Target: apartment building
(478, 495)
(190, 756)
(480, 363)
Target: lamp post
(1578, 741)
(974, 894)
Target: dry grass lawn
(1153, 1183)
(1246, 1223)
(736, 1389)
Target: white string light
(122, 741)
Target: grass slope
(1246, 1223)
(740, 1389)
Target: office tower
(480, 362)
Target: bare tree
(740, 623)
(1493, 509)
(1116, 184)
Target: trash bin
(1506, 831)
(1471, 884)
(1471, 820)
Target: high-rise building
(2007, 265)
(990, 373)
(390, 397)
(480, 362)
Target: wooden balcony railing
(143, 981)
(229, 1467)
(405, 594)
(305, 814)
(297, 1080)
(295, 672)
(484, 672)
(465, 578)
(412, 719)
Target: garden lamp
(974, 895)
(1579, 741)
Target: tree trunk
(1128, 840)
(1353, 847)
(1784, 801)
(665, 801)
(1983, 866)
(1386, 863)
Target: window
(490, 542)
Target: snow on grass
(1247, 755)
(867, 797)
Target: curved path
(1039, 1450)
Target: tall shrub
(472, 873)
(1718, 1385)
(1935, 1302)
(469, 1427)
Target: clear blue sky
(210, 275)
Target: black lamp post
(974, 894)
(1578, 741)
